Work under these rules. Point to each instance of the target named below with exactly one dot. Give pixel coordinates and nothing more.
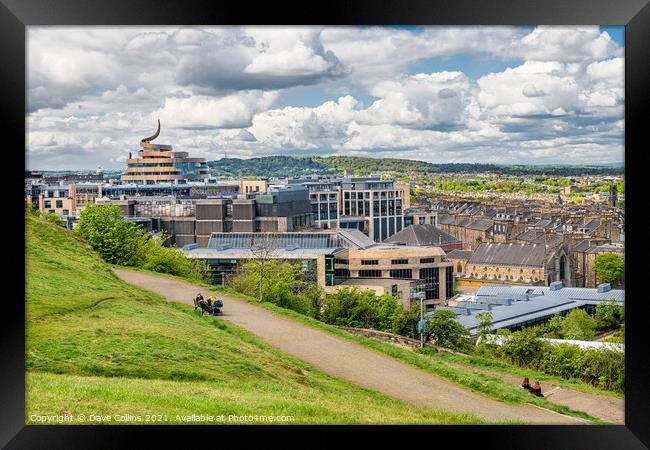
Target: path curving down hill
(348, 360)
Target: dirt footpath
(348, 360)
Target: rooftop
(512, 306)
(422, 235)
(509, 254)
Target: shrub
(443, 328)
(121, 242)
(578, 325)
(406, 322)
(282, 285)
(116, 240)
(524, 347)
(600, 367)
(363, 309)
(608, 315)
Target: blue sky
(527, 95)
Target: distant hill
(289, 166)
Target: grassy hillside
(96, 345)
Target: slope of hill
(283, 166)
(97, 346)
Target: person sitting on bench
(198, 300)
(536, 389)
(212, 305)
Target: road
(348, 360)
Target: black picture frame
(16, 15)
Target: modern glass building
(157, 163)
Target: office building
(157, 163)
(338, 259)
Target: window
(370, 273)
(399, 261)
(59, 203)
(341, 261)
(427, 260)
(342, 273)
(48, 204)
(369, 262)
(401, 273)
(51, 211)
(449, 288)
(66, 212)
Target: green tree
(524, 346)
(608, 315)
(406, 321)
(554, 326)
(352, 307)
(609, 268)
(116, 240)
(578, 325)
(445, 331)
(484, 323)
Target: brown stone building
(515, 264)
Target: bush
(609, 315)
(169, 260)
(443, 328)
(351, 307)
(121, 242)
(406, 322)
(600, 367)
(524, 347)
(578, 325)
(55, 219)
(116, 240)
(282, 285)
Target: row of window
(381, 194)
(379, 208)
(375, 262)
(65, 212)
(322, 197)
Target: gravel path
(348, 360)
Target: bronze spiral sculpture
(146, 142)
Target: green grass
(96, 345)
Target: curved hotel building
(157, 163)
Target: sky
(503, 95)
